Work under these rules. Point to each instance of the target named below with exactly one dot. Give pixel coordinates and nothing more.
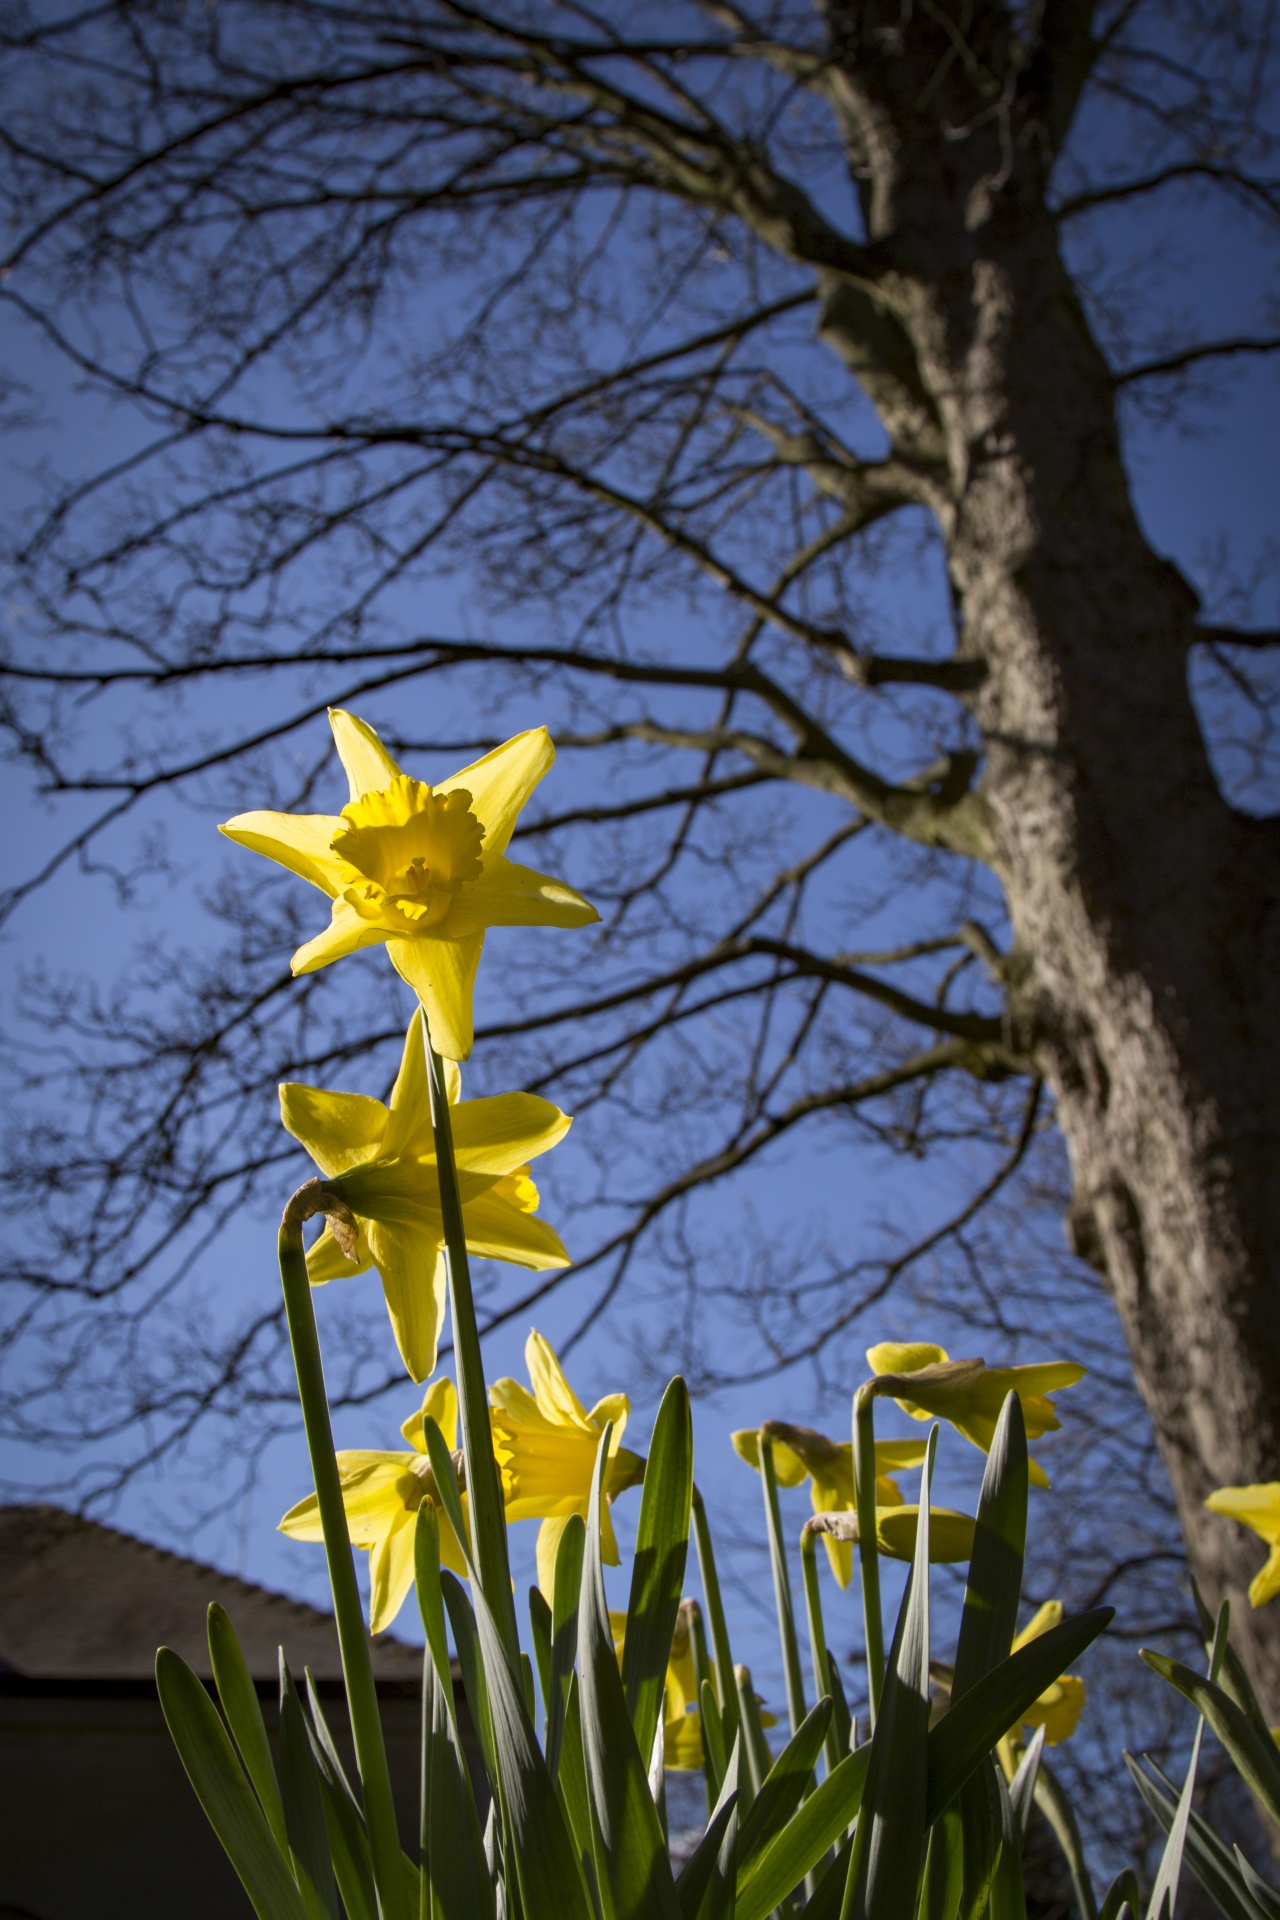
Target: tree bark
(1144, 975)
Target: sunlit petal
(439, 1403)
(496, 1230)
(326, 1260)
(390, 1573)
(347, 932)
(303, 842)
(551, 1389)
(499, 1134)
(443, 975)
(413, 1279)
(338, 1130)
(500, 784)
(365, 760)
(507, 895)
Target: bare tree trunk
(1145, 972)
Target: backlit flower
(422, 869)
(1060, 1705)
(681, 1716)
(970, 1394)
(549, 1441)
(799, 1452)
(381, 1161)
(382, 1493)
(1257, 1507)
(950, 1533)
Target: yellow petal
(390, 1573)
(346, 933)
(615, 1407)
(501, 1133)
(375, 1488)
(950, 1533)
(893, 1456)
(1045, 1617)
(300, 841)
(366, 762)
(409, 1109)
(413, 1278)
(500, 784)
(551, 1390)
(898, 1356)
(338, 1130)
(1058, 1709)
(1265, 1585)
(549, 1535)
(443, 975)
(519, 1404)
(440, 1403)
(496, 1230)
(682, 1743)
(1256, 1506)
(507, 895)
(326, 1260)
(840, 1555)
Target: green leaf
(426, 1579)
(994, 1585)
(657, 1573)
(828, 1895)
(239, 1698)
(982, 1830)
(474, 1685)
(1056, 1808)
(1212, 1862)
(632, 1866)
(1164, 1894)
(943, 1868)
(842, 1720)
(224, 1792)
(1255, 1759)
(1123, 1892)
(540, 1628)
(705, 1864)
(1233, 1679)
(1022, 1788)
(756, 1759)
(970, 1728)
(303, 1800)
(1267, 1898)
(457, 1872)
(712, 1737)
(564, 1631)
(783, 1862)
(349, 1847)
(445, 1475)
(571, 1782)
(1007, 1900)
(784, 1787)
(713, 1606)
(888, 1849)
(545, 1859)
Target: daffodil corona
(419, 868)
(381, 1161)
(382, 1493)
(970, 1394)
(549, 1443)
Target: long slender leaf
(714, 1606)
(1057, 1810)
(1123, 1892)
(970, 1729)
(783, 1607)
(239, 1698)
(841, 1719)
(828, 1895)
(540, 1628)
(980, 1820)
(1233, 1679)
(546, 1862)
(784, 1788)
(1255, 1760)
(703, 1862)
(1164, 1893)
(995, 1566)
(782, 1864)
(632, 1866)
(756, 1758)
(303, 1800)
(575, 1795)
(474, 1686)
(348, 1837)
(1212, 1862)
(458, 1880)
(1007, 1900)
(1266, 1898)
(888, 1849)
(944, 1868)
(224, 1792)
(1022, 1788)
(712, 1738)
(657, 1573)
(564, 1631)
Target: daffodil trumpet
(421, 870)
(968, 1394)
(353, 1641)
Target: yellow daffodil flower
(382, 1493)
(381, 1161)
(1257, 1507)
(681, 1718)
(950, 1533)
(418, 868)
(800, 1453)
(968, 1393)
(550, 1442)
(1059, 1706)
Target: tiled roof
(79, 1600)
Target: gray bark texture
(1144, 976)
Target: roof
(80, 1600)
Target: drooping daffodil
(1257, 1507)
(382, 1493)
(968, 1393)
(380, 1160)
(549, 1442)
(419, 868)
(800, 1453)
(950, 1533)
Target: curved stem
(353, 1639)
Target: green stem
(725, 1686)
(484, 1486)
(864, 1478)
(817, 1636)
(353, 1640)
(782, 1586)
